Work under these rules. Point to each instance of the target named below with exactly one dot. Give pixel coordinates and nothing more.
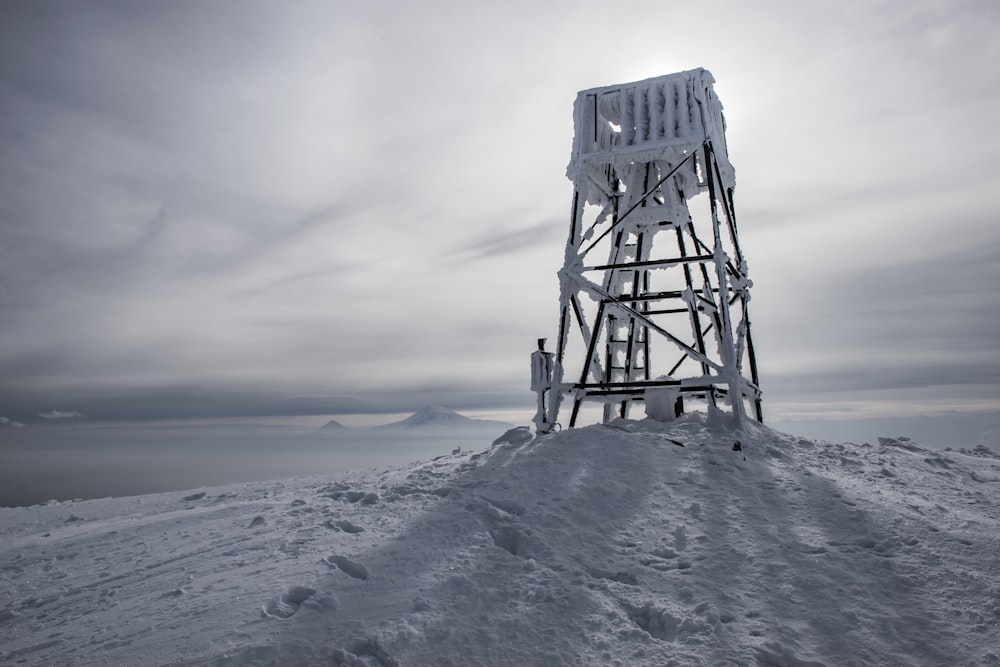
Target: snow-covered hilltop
(609, 545)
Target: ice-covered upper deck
(647, 120)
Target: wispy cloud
(506, 241)
(370, 200)
(60, 414)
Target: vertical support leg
(727, 348)
(565, 299)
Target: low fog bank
(957, 431)
(87, 461)
(82, 460)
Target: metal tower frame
(654, 286)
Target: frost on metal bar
(654, 286)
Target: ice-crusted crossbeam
(654, 287)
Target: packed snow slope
(608, 545)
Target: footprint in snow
(814, 549)
(362, 497)
(665, 626)
(288, 603)
(362, 652)
(680, 538)
(775, 654)
(348, 527)
(347, 566)
(621, 577)
(176, 593)
(516, 541)
(508, 507)
(344, 525)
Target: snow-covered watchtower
(654, 288)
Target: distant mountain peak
(434, 415)
(435, 419)
(333, 425)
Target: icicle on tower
(654, 288)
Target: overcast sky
(223, 208)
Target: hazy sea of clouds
(40, 464)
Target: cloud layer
(209, 209)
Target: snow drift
(637, 543)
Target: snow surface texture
(609, 545)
